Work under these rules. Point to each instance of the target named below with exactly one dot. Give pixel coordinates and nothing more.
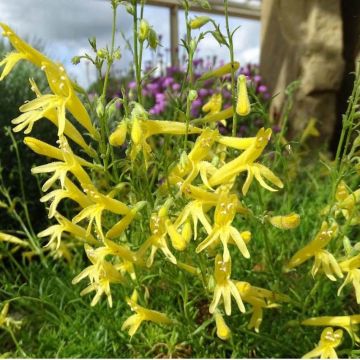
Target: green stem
(21, 183)
(231, 51)
(104, 129)
(189, 75)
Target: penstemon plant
(145, 196)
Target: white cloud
(63, 26)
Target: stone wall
(304, 40)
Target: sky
(62, 27)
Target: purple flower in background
(153, 87)
(132, 85)
(257, 78)
(203, 92)
(160, 97)
(262, 89)
(168, 81)
(276, 129)
(176, 87)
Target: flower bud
(117, 138)
(193, 95)
(76, 60)
(198, 22)
(152, 39)
(143, 30)
(101, 53)
(243, 103)
(286, 222)
(117, 54)
(221, 71)
(129, 8)
(222, 330)
(100, 108)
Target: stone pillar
(303, 40)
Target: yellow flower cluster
(203, 180)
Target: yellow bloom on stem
(64, 96)
(101, 274)
(245, 162)
(64, 225)
(160, 226)
(7, 321)
(213, 105)
(329, 340)
(224, 287)
(285, 222)
(192, 164)
(122, 225)
(44, 149)
(142, 314)
(323, 258)
(70, 191)
(221, 71)
(28, 119)
(70, 163)
(118, 136)
(100, 203)
(350, 323)
(310, 130)
(351, 267)
(142, 129)
(260, 299)
(243, 103)
(222, 330)
(219, 116)
(346, 203)
(222, 230)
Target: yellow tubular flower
(237, 143)
(221, 71)
(5, 320)
(142, 314)
(322, 257)
(349, 323)
(351, 267)
(329, 340)
(224, 287)
(64, 94)
(243, 103)
(214, 104)
(191, 164)
(196, 211)
(259, 299)
(245, 162)
(285, 222)
(219, 116)
(159, 227)
(44, 149)
(122, 225)
(222, 330)
(198, 22)
(60, 169)
(222, 230)
(94, 211)
(64, 225)
(310, 130)
(70, 191)
(28, 119)
(101, 274)
(117, 138)
(142, 129)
